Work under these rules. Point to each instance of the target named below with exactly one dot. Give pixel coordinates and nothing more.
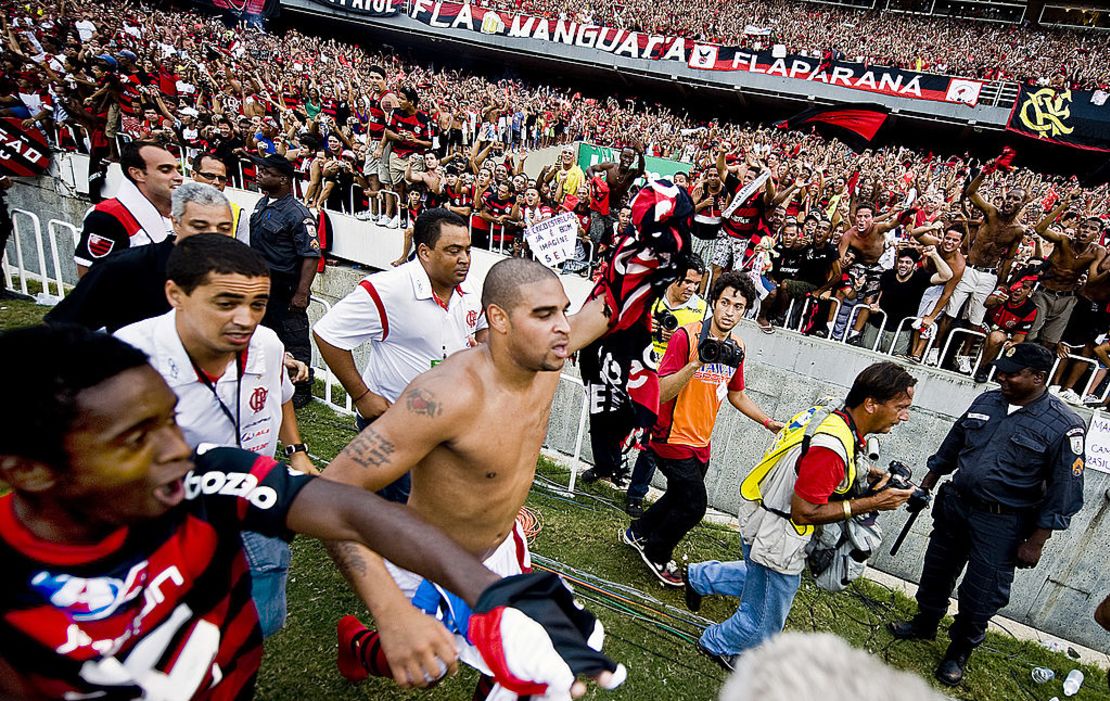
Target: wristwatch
(295, 448)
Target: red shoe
(351, 632)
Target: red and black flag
(855, 125)
(23, 150)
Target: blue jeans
(765, 600)
(397, 491)
(269, 562)
(641, 475)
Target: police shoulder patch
(1076, 443)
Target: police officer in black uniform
(1017, 459)
(284, 232)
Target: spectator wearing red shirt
(1010, 318)
(408, 131)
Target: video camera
(726, 352)
(664, 321)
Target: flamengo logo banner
(23, 150)
(698, 55)
(1078, 118)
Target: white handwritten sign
(552, 240)
(1097, 447)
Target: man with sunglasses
(210, 170)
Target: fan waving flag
(23, 150)
(856, 125)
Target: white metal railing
(970, 333)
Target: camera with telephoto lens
(711, 350)
(664, 321)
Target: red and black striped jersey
(418, 124)
(160, 609)
(464, 197)
(1014, 318)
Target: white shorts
(976, 285)
(511, 557)
(929, 299)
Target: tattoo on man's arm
(421, 401)
(369, 449)
(346, 555)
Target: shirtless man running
(470, 431)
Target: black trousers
(984, 542)
(676, 513)
(607, 433)
(291, 325)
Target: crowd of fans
(383, 138)
(914, 42)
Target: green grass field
(581, 531)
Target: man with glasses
(207, 168)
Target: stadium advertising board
(654, 168)
(1077, 118)
(653, 47)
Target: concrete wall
(785, 373)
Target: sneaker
(634, 507)
(1092, 400)
(590, 476)
(963, 364)
(1070, 396)
(691, 597)
(666, 573)
(933, 357)
(855, 338)
(364, 216)
(394, 223)
(629, 538)
(981, 377)
(381, 220)
(350, 632)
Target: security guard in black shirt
(284, 232)
(1017, 455)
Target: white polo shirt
(405, 325)
(264, 388)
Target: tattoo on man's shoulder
(369, 449)
(421, 401)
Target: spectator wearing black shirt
(789, 258)
(900, 291)
(130, 285)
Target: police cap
(278, 162)
(1025, 355)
